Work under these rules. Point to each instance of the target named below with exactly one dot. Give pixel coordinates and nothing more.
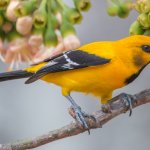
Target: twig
(117, 106)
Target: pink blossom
(24, 25)
(18, 51)
(10, 10)
(71, 42)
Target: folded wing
(70, 60)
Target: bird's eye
(146, 48)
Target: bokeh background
(30, 110)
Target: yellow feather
(127, 58)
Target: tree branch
(117, 106)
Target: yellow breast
(96, 80)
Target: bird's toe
(81, 116)
(128, 100)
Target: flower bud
(82, 5)
(136, 28)
(71, 42)
(66, 28)
(24, 25)
(73, 15)
(50, 37)
(112, 9)
(119, 8)
(124, 10)
(51, 14)
(147, 32)
(10, 12)
(54, 21)
(76, 17)
(144, 20)
(7, 27)
(26, 7)
(54, 6)
(35, 41)
(4, 4)
(142, 6)
(40, 15)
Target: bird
(97, 68)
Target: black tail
(14, 75)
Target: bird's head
(136, 48)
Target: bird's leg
(104, 101)
(79, 114)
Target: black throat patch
(134, 76)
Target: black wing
(73, 59)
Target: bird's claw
(128, 100)
(80, 116)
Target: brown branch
(117, 106)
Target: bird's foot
(128, 100)
(80, 116)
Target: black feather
(14, 75)
(69, 60)
(134, 76)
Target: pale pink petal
(71, 42)
(7, 27)
(10, 10)
(24, 25)
(9, 56)
(35, 40)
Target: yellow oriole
(97, 68)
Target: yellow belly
(97, 80)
